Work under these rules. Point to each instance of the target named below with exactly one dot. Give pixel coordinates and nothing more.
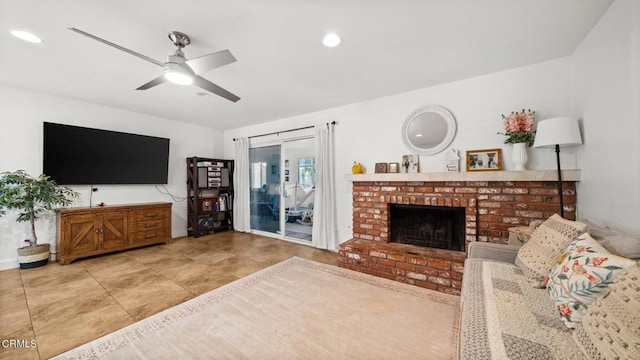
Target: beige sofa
(505, 317)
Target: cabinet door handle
(151, 215)
(150, 236)
(148, 225)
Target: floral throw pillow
(582, 274)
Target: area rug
(296, 309)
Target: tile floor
(61, 307)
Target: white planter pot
(519, 156)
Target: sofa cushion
(547, 242)
(616, 242)
(582, 274)
(503, 317)
(609, 328)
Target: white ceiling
(283, 70)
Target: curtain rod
(284, 131)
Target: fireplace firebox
(428, 226)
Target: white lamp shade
(563, 131)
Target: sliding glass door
(300, 187)
(264, 181)
(282, 188)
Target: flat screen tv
(75, 155)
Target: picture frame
(286, 179)
(410, 164)
(286, 172)
(484, 160)
(394, 167)
(381, 168)
(286, 163)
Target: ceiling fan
(177, 68)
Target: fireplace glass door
(428, 226)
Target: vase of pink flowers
(518, 127)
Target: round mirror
(429, 130)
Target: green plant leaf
(612, 267)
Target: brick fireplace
(492, 203)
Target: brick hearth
(491, 208)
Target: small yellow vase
(356, 168)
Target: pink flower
(598, 261)
(564, 311)
(518, 122)
(518, 127)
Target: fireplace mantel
(530, 175)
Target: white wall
(24, 111)
(605, 86)
(369, 131)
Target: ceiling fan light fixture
(178, 77)
(177, 74)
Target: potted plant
(32, 196)
(519, 130)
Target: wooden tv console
(88, 231)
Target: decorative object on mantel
(561, 131)
(429, 130)
(381, 168)
(518, 127)
(452, 161)
(394, 167)
(357, 168)
(410, 164)
(484, 160)
(32, 196)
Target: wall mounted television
(74, 155)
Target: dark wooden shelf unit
(88, 231)
(210, 195)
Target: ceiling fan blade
(211, 61)
(155, 82)
(144, 57)
(209, 86)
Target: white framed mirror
(429, 130)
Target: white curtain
(324, 212)
(241, 216)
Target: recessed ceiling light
(202, 94)
(26, 36)
(331, 40)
